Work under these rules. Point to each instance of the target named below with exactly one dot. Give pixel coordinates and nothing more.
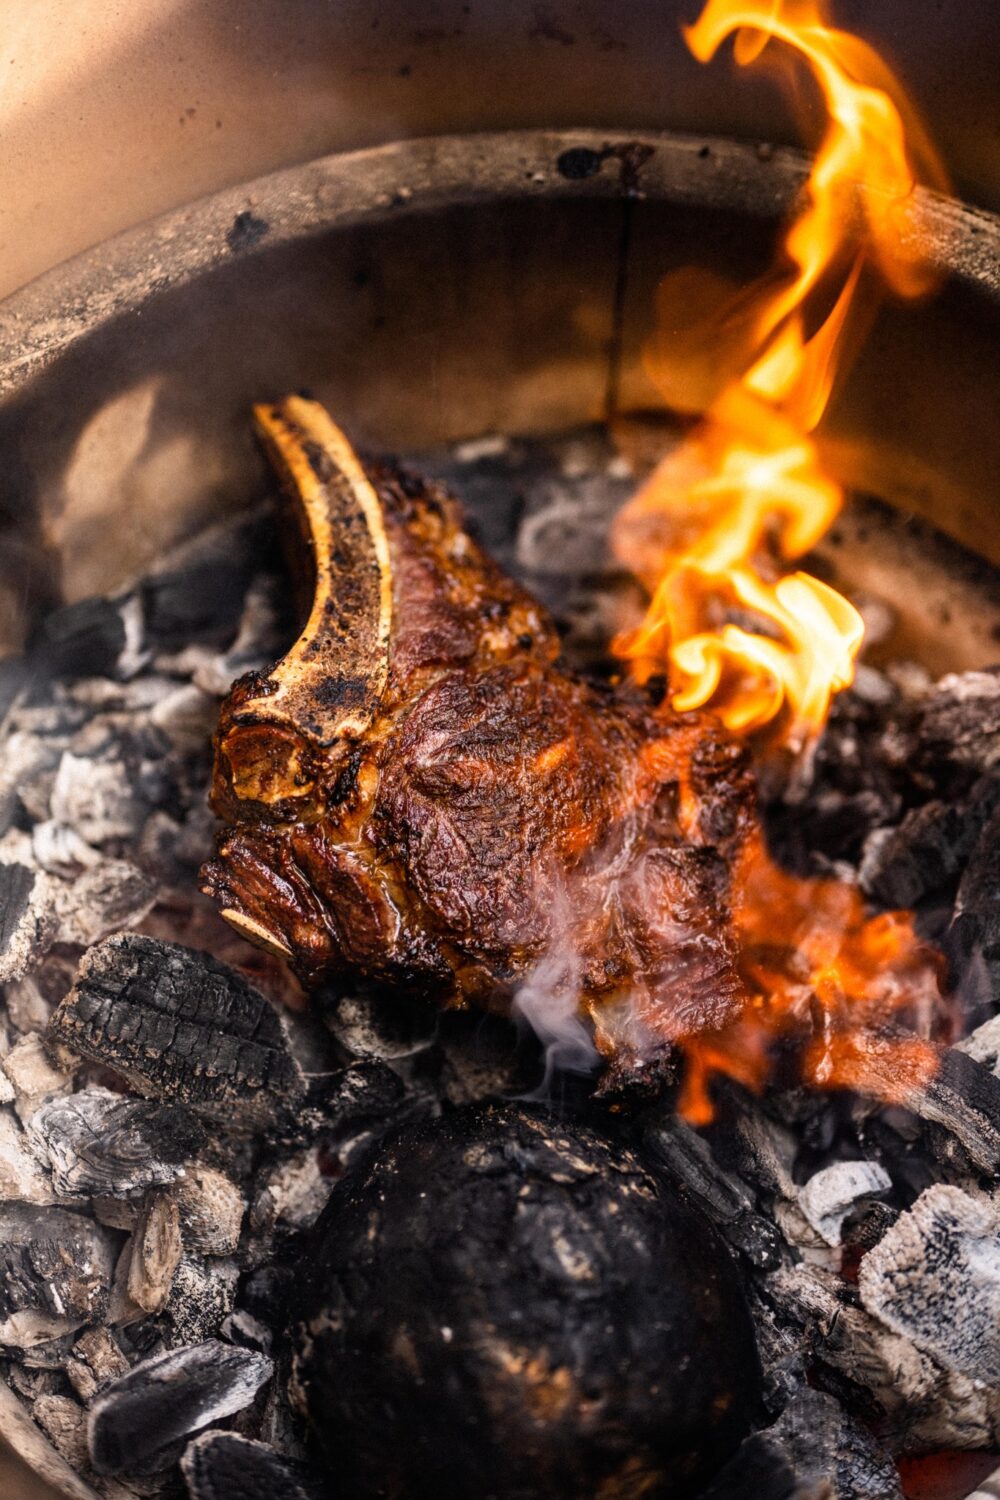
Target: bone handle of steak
(326, 690)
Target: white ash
(935, 1277)
(34, 1077)
(830, 1194)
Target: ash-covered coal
(161, 1220)
(501, 1303)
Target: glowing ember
(745, 493)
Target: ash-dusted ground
(173, 1120)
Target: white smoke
(549, 1001)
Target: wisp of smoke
(549, 1002)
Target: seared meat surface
(420, 797)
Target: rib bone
(276, 735)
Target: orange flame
(746, 491)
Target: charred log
(501, 1304)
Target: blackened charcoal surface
(180, 1025)
(221, 1465)
(725, 1199)
(16, 885)
(930, 847)
(977, 908)
(85, 639)
(959, 726)
(813, 1449)
(198, 596)
(100, 1143)
(53, 1263)
(963, 1099)
(140, 1423)
(485, 1283)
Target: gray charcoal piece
(929, 848)
(963, 1099)
(814, 1451)
(84, 639)
(56, 1269)
(831, 1193)
(95, 796)
(935, 1278)
(960, 721)
(23, 1178)
(977, 907)
(202, 1295)
(141, 1423)
(179, 1025)
(219, 1465)
(27, 920)
(111, 895)
(98, 1142)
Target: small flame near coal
(713, 530)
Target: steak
(420, 797)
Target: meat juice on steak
(420, 797)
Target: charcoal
(55, 1272)
(814, 1449)
(180, 1025)
(211, 1209)
(102, 900)
(959, 1108)
(64, 1422)
(831, 1194)
(96, 797)
(469, 1363)
(959, 724)
(202, 1295)
(187, 716)
(241, 1327)
(98, 1142)
(200, 601)
(140, 1423)
(85, 639)
(96, 1359)
(935, 1278)
(27, 1438)
(155, 1253)
(219, 1465)
(293, 1192)
(33, 1075)
(23, 1178)
(28, 1006)
(929, 849)
(977, 907)
(27, 920)
(381, 1027)
(724, 1198)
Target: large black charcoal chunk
(180, 1025)
(500, 1303)
(959, 727)
(220, 1465)
(141, 1423)
(84, 639)
(99, 1143)
(814, 1449)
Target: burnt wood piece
(55, 1272)
(99, 1143)
(180, 1026)
(501, 1303)
(930, 848)
(420, 799)
(141, 1423)
(974, 938)
(959, 726)
(814, 1449)
(220, 1465)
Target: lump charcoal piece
(211, 1210)
(977, 908)
(218, 1465)
(814, 1449)
(831, 1193)
(90, 638)
(724, 1198)
(959, 724)
(156, 1253)
(140, 1423)
(100, 1143)
(935, 1278)
(23, 1179)
(180, 1025)
(111, 895)
(202, 1295)
(469, 1363)
(96, 1359)
(384, 1028)
(960, 1107)
(95, 797)
(33, 1075)
(929, 849)
(27, 920)
(344, 1102)
(55, 1272)
(64, 1422)
(201, 599)
(241, 1327)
